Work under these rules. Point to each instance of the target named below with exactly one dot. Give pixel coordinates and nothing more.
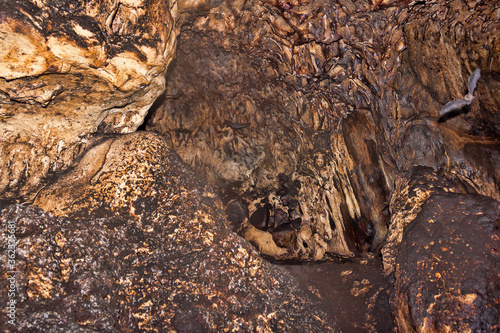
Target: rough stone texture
(340, 97)
(448, 270)
(434, 71)
(412, 190)
(321, 116)
(143, 247)
(69, 69)
(440, 58)
(274, 88)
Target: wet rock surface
(412, 190)
(448, 267)
(287, 74)
(353, 292)
(157, 258)
(316, 123)
(340, 97)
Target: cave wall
(136, 242)
(334, 98)
(277, 88)
(339, 97)
(71, 71)
(317, 122)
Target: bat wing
(474, 77)
(453, 105)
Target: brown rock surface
(448, 270)
(337, 96)
(354, 292)
(275, 89)
(322, 115)
(412, 190)
(69, 69)
(143, 247)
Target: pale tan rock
(72, 69)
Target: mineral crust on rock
(448, 270)
(413, 188)
(141, 244)
(339, 97)
(316, 122)
(273, 90)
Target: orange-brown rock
(141, 244)
(340, 97)
(448, 267)
(317, 122)
(412, 190)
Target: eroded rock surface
(69, 69)
(448, 269)
(274, 90)
(412, 190)
(339, 97)
(318, 122)
(142, 245)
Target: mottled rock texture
(448, 270)
(337, 97)
(69, 69)
(143, 246)
(412, 190)
(300, 77)
(316, 121)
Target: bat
(453, 105)
(236, 125)
(460, 103)
(474, 77)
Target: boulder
(448, 267)
(412, 190)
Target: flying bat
(460, 103)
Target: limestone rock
(69, 69)
(142, 244)
(324, 113)
(412, 190)
(447, 271)
(341, 97)
(286, 73)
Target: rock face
(69, 69)
(316, 122)
(442, 246)
(271, 91)
(412, 190)
(337, 99)
(447, 272)
(143, 247)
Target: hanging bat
(460, 103)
